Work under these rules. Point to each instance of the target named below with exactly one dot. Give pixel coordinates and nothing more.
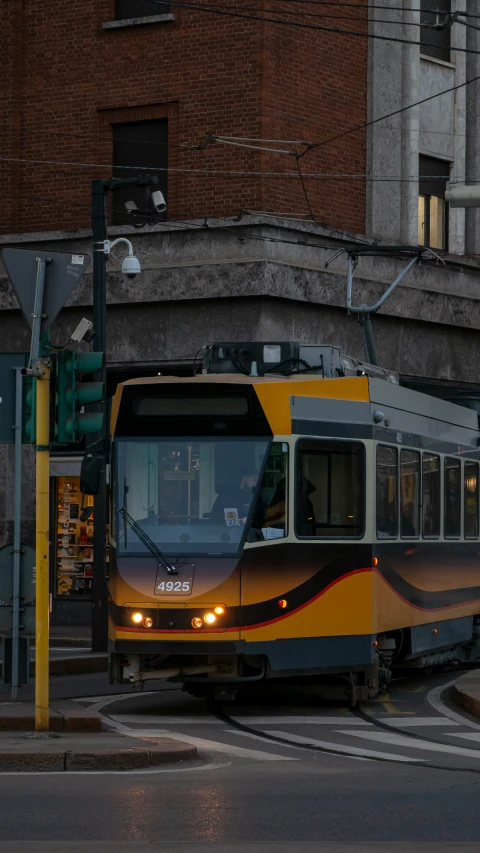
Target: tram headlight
(219, 610)
(148, 621)
(210, 618)
(137, 617)
(197, 622)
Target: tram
(290, 512)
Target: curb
(64, 716)
(466, 693)
(74, 665)
(130, 758)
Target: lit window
(432, 207)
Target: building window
(470, 512)
(432, 208)
(387, 492)
(409, 493)
(431, 494)
(330, 489)
(125, 9)
(434, 41)
(142, 146)
(453, 498)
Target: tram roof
(346, 399)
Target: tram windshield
(190, 496)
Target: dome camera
(159, 202)
(131, 266)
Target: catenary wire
(324, 176)
(352, 33)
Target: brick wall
(67, 80)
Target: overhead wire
(215, 10)
(323, 176)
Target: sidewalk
(466, 692)
(20, 753)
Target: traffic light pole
(42, 550)
(99, 233)
(99, 585)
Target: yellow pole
(42, 609)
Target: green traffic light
(29, 409)
(73, 394)
(89, 423)
(88, 362)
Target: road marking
(347, 750)
(202, 743)
(263, 739)
(434, 699)
(287, 745)
(147, 770)
(405, 722)
(229, 749)
(392, 709)
(414, 689)
(468, 736)
(257, 721)
(410, 743)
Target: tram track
(222, 715)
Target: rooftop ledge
(138, 22)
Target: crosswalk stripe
(208, 745)
(253, 721)
(407, 722)
(286, 745)
(468, 736)
(410, 743)
(346, 750)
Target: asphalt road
(245, 790)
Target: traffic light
(29, 409)
(73, 394)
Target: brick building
(92, 88)
(77, 72)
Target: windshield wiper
(149, 543)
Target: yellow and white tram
(321, 522)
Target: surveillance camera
(83, 331)
(159, 202)
(131, 207)
(131, 266)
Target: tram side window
(431, 494)
(470, 517)
(330, 489)
(387, 492)
(453, 499)
(272, 500)
(409, 493)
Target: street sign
(63, 271)
(27, 589)
(8, 363)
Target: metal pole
(42, 597)
(37, 313)
(99, 586)
(350, 282)
(368, 339)
(17, 515)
